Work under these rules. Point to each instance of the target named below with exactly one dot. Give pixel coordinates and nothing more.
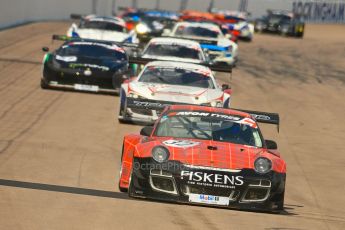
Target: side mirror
(225, 87)
(271, 144)
(45, 49)
(146, 131)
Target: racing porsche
(85, 65)
(220, 48)
(102, 28)
(206, 156)
(161, 83)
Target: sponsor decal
(149, 104)
(208, 197)
(207, 114)
(66, 58)
(181, 143)
(76, 65)
(245, 121)
(261, 117)
(212, 179)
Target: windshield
(97, 51)
(176, 76)
(274, 19)
(209, 127)
(174, 50)
(196, 31)
(102, 25)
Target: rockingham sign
(320, 11)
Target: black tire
(124, 190)
(280, 201)
(122, 110)
(130, 192)
(44, 85)
(300, 35)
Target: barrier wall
(18, 11)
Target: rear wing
(261, 117)
(68, 39)
(217, 67)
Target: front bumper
(67, 79)
(80, 87)
(172, 181)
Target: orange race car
(208, 156)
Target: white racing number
(181, 143)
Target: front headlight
(142, 28)
(133, 95)
(160, 154)
(56, 64)
(262, 165)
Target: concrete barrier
(14, 12)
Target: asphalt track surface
(60, 151)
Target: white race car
(220, 48)
(163, 83)
(102, 28)
(173, 49)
